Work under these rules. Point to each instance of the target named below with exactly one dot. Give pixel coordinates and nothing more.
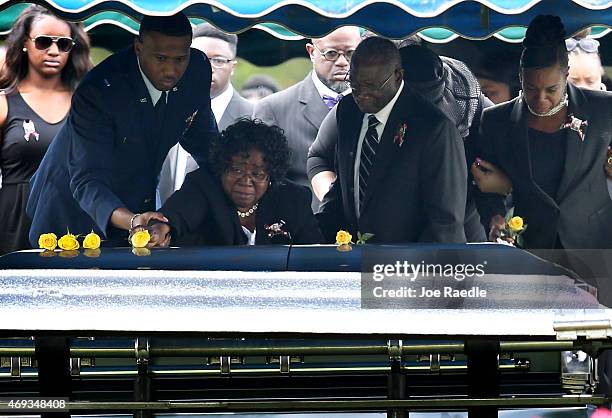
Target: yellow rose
(68, 242)
(140, 239)
(92, 241)
(343, 238)
(516, 223)
(47, 241)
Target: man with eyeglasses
(300, 109)
(227, 104)
(102, 168)
(400, 163)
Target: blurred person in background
(258, 86)
(46, 57)
(497, 73)
(585, 69)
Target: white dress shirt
(250, 235)
(153, 92)
(383, 116)
(323, 89)
(218, 105)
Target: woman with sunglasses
(585, 63)
(247, 200)
(45, 59)
(551, 142)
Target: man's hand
(490, 179)
(160, 235)
(143, 219)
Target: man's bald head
(376, 73)
(379, 52)
(332, 72)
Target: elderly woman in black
(552, 143)
(246, 201)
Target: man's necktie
(331, 101)
(368, 154)
(160, 108)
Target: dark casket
(472, 328)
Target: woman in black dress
(245, 201)
(552, 143)
(45, 59)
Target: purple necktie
(331, 101)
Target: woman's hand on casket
(160, 235)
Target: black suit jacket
(200, 213)
(416, 191)
(581, 213)
(109, 154)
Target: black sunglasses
(43, 42)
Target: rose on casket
(47, 241)
(69, 242)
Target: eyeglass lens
(44, 42)
(219, 61)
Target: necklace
(248, 212)
(552, 111)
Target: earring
(25, 49)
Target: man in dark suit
(102, 168)
(400, 162)
(300, 109)
(227, 105)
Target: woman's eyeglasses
(586, 44)
(258, 176)
(44, 42)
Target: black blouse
(547, 154)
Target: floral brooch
(277, 233)
(400, 134)
(576, 125)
